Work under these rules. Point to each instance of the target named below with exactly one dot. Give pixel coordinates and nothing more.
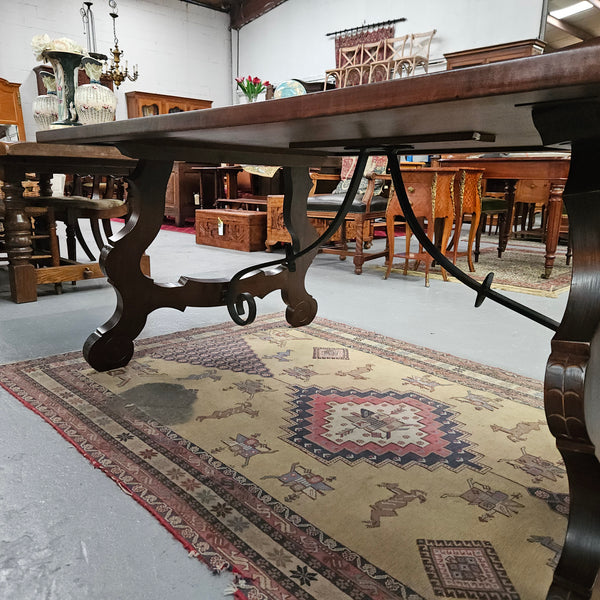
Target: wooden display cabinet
(145, 104)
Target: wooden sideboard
(144, 104)
(490, 54)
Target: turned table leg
(554, 209)
(17, 238)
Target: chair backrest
(372, 52)
(420, 44)
(396, 48)
(350, 56)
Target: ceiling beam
(570, 29)
(245, 11)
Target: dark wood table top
(63, 158)
(475, 109)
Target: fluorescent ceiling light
(573, 9)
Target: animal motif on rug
(556, 501)
(283, 356)
(520, 430)
(425, 383)
(388, 506)
(302, 373)
(247, 447)
(206, 374)
(302, 480)
(539, 468)
(548, 542)
(250, 387)
(357, 373)
(240, 407)
(491, 501)
(135, 367)
(479, 402)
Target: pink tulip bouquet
(251, 86)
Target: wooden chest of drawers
(236, 229)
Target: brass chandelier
(113, 71)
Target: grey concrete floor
(68, 532)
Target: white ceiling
(572, 30)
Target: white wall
(290, 41)
(181, 49)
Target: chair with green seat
(493, 211)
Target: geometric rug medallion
(379, 428)
(466, 569)
(323, 462)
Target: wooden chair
(467, 202)
(349, 60)
(431, 195)
(417, 54)
(354, 236)
(393, 50)
(95, 198)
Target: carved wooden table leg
(301, 306)
(572, 386)
(554, 209)
(111, 345)
(17, 236)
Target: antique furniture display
(358, 224)
(551, 168)
(11, 114)
(144, 104)
(380, 61)
(179, 203)
(18, 159)
(236, 229)
(488, 54)
(431, 195)
(179, 198)
(531, 104)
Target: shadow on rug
(519, 269)
(325, 462)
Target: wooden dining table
(531, 104)
(512, 168)
(18, 159)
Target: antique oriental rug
(324, 462)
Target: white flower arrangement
(43, 43)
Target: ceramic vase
(65, 65)
(94, 102)
(45, 107)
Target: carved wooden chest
(236, 229)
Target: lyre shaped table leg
(111, 345)
(572, 383)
